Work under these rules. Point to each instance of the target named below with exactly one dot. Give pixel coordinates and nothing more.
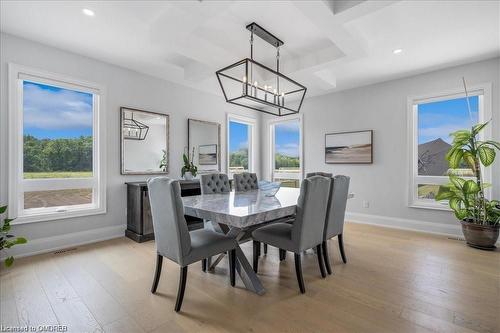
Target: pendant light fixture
(134, 129)
(253, 85)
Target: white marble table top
(242, 209)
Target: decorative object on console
(480, 217)
(189, 170)
(252, 85)
(349, 147)
(144, 142)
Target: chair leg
(256, 247)
(258, 250)
(326, 257)
(232, 267)
(156, 279)
(182, 288)
(265, 248)
(341, 246)
(319, 252)
(204, 265)
(282, 254)
(298, 271)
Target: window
(432, 119)
(56, 164)
(286, 151)
(240, 144)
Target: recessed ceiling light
(88, 12)
(397, 51)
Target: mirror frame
(219, 148)
(167, 144)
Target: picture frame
(353, 147)
(207, 154)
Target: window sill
(429, 205)
(44, 217)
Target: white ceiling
(329, 45)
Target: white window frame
(18, 185)
(272, 139)
(251, 122)
(484, 93)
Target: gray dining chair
(245, 181)
(307, 229)
(215, 183)
(334, 226)
(175, 242)
(324, 174)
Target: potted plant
(8, 240)
(189, 170)
(480, 217)
(163, 162)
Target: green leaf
(9, 261)
(455, 158)
(486, 155)
(470, 160)
(491, 143)
(21, 240)
(444, 193)
(455, 204)
(461, 214)
(477, 128)
(471, 187)
(3, 209)
(457, 182)
(186, 159)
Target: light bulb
(244, 79)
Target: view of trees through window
(238, 147)
(57, 142)
(436, 120)
(286, 153)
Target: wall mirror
(144, 142)
(204, 137)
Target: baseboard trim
(449, 230)
(54, 243)
(406, 224)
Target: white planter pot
(188, 175)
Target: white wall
(383, 108)
(124, 88)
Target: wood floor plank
(394, 281)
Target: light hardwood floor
(394, 281)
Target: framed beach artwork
(349, 147)
(207, 154)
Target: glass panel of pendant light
(250, 84)
(133, 129)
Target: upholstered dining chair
(324, 174)
(334, 226)
(245, 181)
(214, 183)
(307, 229)
(175, 242)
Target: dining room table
(238, 213)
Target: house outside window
(431, 120)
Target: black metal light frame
(248, 62)
(131, 123)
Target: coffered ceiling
(329, 45)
